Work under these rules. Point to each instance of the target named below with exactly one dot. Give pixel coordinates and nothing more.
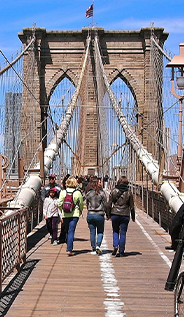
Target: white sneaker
(98, 251)
(55, 242)
(93, 252)
(50, 237)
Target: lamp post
(178, 63)
(113, 148)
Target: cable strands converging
(169, 191)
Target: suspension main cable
(20, 78)
(128, 131)
(169, 190)
(50, 151)
(160, 49)
(10, 64)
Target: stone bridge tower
(58, 54)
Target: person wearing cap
(52, 183)
(51, 214)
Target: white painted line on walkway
(113, 304)
(163, 256)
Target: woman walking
(70, 215)
(96, 202)
(120, 206)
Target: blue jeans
(95, 224)
(119, 226)
(70, 224)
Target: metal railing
(153, 204)
(14, 229)
(13, 242)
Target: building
(13, 106)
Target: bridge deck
(53, 284)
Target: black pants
(62, 237)
(52, 226)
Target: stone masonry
(58, 54)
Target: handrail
(16, 238)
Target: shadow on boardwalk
(12, 290)
(15, 286)
(84, 285)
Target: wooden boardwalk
(51, 284)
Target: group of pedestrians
(65, 204)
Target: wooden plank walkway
(51, 284)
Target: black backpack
(68, 203)
(176, 227)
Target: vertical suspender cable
(28, 191)
(173, 196)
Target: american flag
(89, 11)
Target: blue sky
(109, 14)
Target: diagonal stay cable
(10, 64)
(20, 77)
(168, 189)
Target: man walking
(52, 184)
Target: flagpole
(93, 13)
